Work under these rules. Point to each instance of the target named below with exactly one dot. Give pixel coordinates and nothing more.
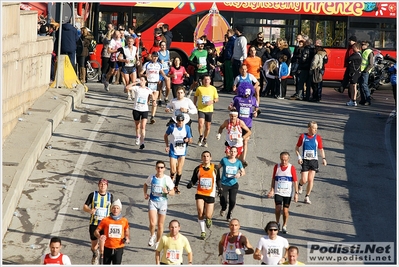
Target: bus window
(146, 17)
(184, 30)
(380, 33)
(272, 25)
(330, 30)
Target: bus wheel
(182, 56)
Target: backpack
(92, 45)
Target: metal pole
(59, 46)
(73, 14)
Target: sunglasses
(273, 230)
(159, 167)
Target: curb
(65, 104)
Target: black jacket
(69, 37)
(306, 57)
(168, 36)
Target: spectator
(283, 75)
(43, 28)
(296, 56)
(349, 52)
(263, 53)
(304, 67)
(366, 67)
(207, 43)
(393, 72)
(353, 73)
(82, 52)
(317, 64)
(167, 34)
(282, 49)
(211, 62)
(227, 63)
(270, 68)
(69, 37)
(239, 50)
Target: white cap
(199, 41)
(117, 203)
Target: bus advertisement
(331, 22)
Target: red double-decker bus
(331, 22)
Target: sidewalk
(24, 145)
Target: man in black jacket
(168, 35)
(69, 37)
(304, 68)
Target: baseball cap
(180, 117)
(353, 38)
(199, 41)
(103, 181)
(155, 54)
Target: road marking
(78, 167)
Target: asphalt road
(353, 200)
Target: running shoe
(159, 103)
(200, 141)
(351, 103)
(166, 101)
(137, 141)
(177, 191)
(129, 98)
(142, 146)
(307, 200)
(152, 120)
(245, 164)
(222, 213)
(280, 97)
(151, 241)
(204, 143)
(101, 259)
(300, 189)
(203, 235)
(94, 259)
(284, 231)
(106, 86)
(208, 222)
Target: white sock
(202, 225)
